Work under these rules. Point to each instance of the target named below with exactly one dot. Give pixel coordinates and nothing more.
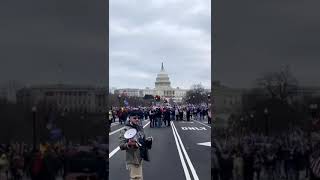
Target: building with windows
(226, 100)
(128, 92)
(8, 91)
(66, 98)
(112, 89)
(162, 88)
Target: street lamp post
(82, 129)
(241, 125)
(251, 121)
(63, 126)
(313, 108)
(266, 113)
(34, 136)
(119, 98)
(240, 129)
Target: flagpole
(34, 109)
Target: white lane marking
(113, 132)
(186, 122)
(193, 171)
(118, 148)
(114, 151)
(146, 124)
(193, 128)
(114, 124)
(184, 166)
(205, 144)
(203, 124)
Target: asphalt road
(175, 153)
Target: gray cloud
(37, 36)
(253, 37)
(145, 33)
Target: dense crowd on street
(19, 161)
(161, 116)
(289, 156)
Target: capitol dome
(162, 80)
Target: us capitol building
(162, 88)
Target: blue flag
(126, 103)
(55, 134)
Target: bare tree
(113, 100)
(279, 85)
(196, 95)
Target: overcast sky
(253, 37)
(144, 33)
(37, 37)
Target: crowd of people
(20, 161)
(161, 116)
(289, 156)
(137, 146)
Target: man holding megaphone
(134, 142)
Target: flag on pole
(126, 103)
(50, 121)
(55, 134)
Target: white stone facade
(162, 88)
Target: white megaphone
(131, 134)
